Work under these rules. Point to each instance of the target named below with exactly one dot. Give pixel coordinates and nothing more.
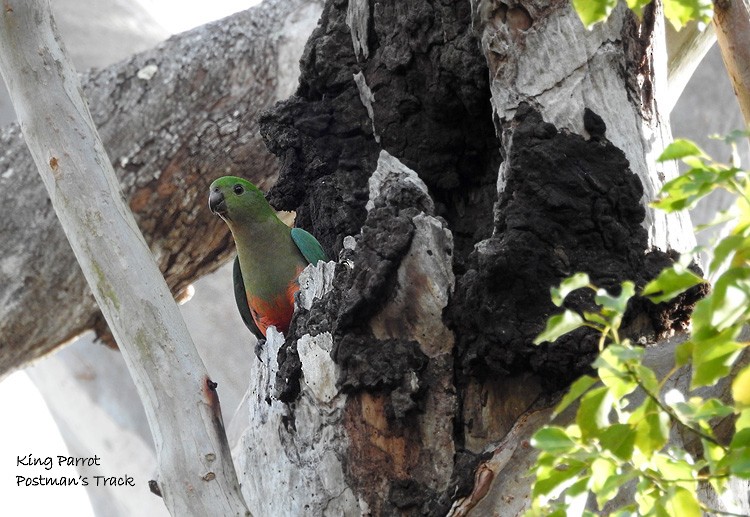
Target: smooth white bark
(197, 474)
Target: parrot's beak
(217, 203)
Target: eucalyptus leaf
(741, 388)
(593, 11)
(567, 286)
(680, 502)
(593, 412)
(680, 148)
(619, 439)
(670, 283)
(558, 325)
(552, 439)
(578, 388)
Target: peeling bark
(172, 119)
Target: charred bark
(510, 184)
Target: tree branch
(686, 49)
(172, 119)
(182, 407)
(732, 21)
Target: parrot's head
(238, 201)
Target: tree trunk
(459, 158)
(172, 119)
(197, 473)
(409, 381)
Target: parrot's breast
(277, 311)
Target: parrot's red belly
(277, 312)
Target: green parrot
(270, 255)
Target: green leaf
(739, 462)
(681, 502)
(625, 511)
(619, 439)
(551, 482)
(713, 358)
(567, 286)
(670, 283)
(721, 217)
(593, 11)
(552, 439)
(695, 162)
(741, 439)
(578, 388)
(612, 368)
(619, 383)
(595, 317)
(558, 325)
(652, 432)
(696, 409)
(638, 5)
(741, 388)
(620, 354)
(737, 458)
(683, 353)
(680, 148)
(647, 378)
(616, 303)
(651, 427)
(576, 496)
(734, 136)
(742, 424)
(601, 470)
(726, 247)
(593, 412)
(680, 12)
(611, 488)
(674, 470)
(686, 190)
(730, 298)
(713, 454)
(646, 495)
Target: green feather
(240, 297)
(269, 253)
(309, 246)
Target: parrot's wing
(240, 296)
(309, 246)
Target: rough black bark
(431, 110)
(569, 205)
(415, 84)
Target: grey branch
(198, 476)
(172, 119)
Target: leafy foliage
(625, 414)
(678, 12)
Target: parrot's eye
(238, 189)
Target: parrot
(270, 254)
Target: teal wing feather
(309, 246)
(240, 296)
